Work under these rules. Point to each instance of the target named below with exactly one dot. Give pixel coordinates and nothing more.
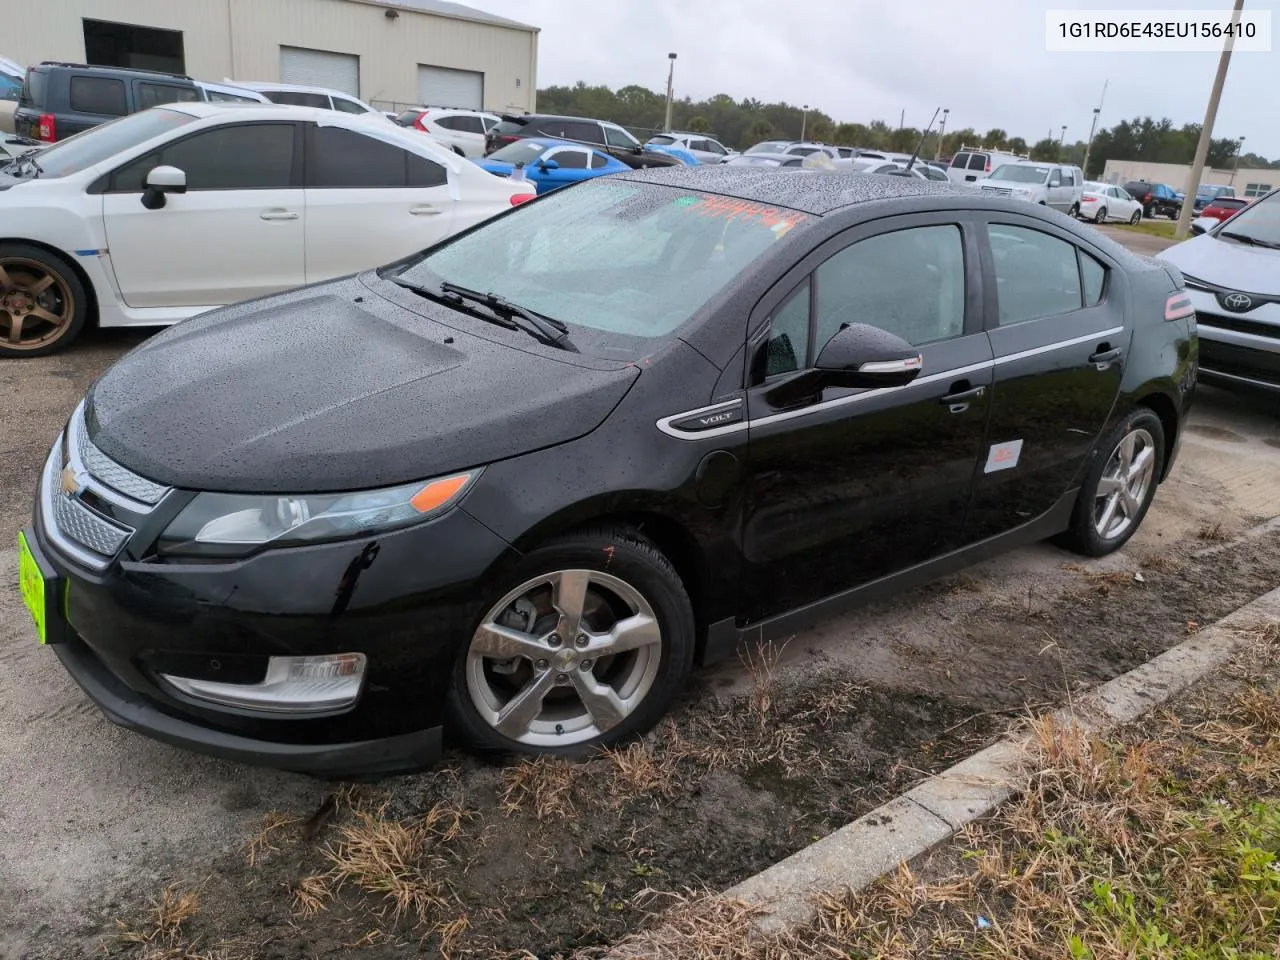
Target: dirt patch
(547, 857)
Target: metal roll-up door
(320, 68)
(442, 87)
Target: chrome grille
(998, 191)
(86, 527)
(103, 468)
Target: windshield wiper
(1252, 241)
(28, 162)
(546, 329)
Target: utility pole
(1206, 132)
(804, 119)
(902, 118)
(1097, 111)
(1236, 168)
(942, 132)
(671, 73)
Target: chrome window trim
(665, 424)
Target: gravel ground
(94, 820)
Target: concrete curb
(856, 855)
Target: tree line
(741, 123)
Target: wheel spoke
(1108, 513)
(5, 282)
(15, 326)
(40, 286)
(569, 597)
(601, 700)
(515, 718)
(1142, 464)
(1130, 503)
(502, 643)
(636, 631)
(1109, 485)
(44, 314)
(1126, 452)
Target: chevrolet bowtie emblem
(70, 482)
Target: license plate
(40, 587)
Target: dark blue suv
(1156, 198)
(62, 99)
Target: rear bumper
(365, 758)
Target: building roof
(810, 191)
(458, 11)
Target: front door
(236, 233)
(369, 202)
(1057, 329)
(851, 485)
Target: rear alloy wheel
(1101, 215)
(1119, 486)
(1137, 215)
(586, 650)
(42, 302)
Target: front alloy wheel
(41, 301)
(587, 649)
(1137, 215)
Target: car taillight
(1146, 198)
(988, 164)
(507, 139)
(1178, 306)
(48, 128)
(520, 198)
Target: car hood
(1225, 263)
(334, 388)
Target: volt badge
(1003, 456)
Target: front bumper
(1237, 349)
(406, 600)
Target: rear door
(1056, 318)
(848, 486)
(236, 233)
(369, 202)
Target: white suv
(971, 164)
(302, 96)
(462, 131)
(1056, 185)
(700, 145)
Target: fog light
(293, 686)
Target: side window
(467, 124)
(570, 159)
(154, 94)
(426, 173)
(577, 130)
(787, 348)
(909, 282)
(1068, 178)
(341, 158)
(1094, 276)
(1055, 177)
(1036, 275)
(296, 98)
(598, 160)
(977, 161)
(616, 137)
(348, 106)
(960, 160)
(100, 95)
(257, 156)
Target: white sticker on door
(1003, 456)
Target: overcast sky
(862, 60)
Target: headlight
(236, 525)
(1021, 192)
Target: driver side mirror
(860, 355)
(161, 181)
(548, 165)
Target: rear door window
(297, 98)
(339, 158)
(960, 161)
(466, 124)
(154, 94)
(978, 161)
(103, 96)
(348, 106)
(1036, 275)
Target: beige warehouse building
(389, 54)
(1247, 182)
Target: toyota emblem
(1238, 302)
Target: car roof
(810, 191)
(230, 88)
(261, 85)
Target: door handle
(1105, 356)
(278, 215)
(958, 400)
(425, 210)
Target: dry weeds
(542, 786)
(1213, 533)
(162, 934)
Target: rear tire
(1119, 486)
(551, 652)
(1100, 216)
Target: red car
(1224, 207)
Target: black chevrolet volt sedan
(508, 491)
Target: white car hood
(1225, 263)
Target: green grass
(1156, 228)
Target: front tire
(1119, 487)
(1137, 215)
(43, 304)
(584, 645)
(1100, 216)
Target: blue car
(548, 163)
(681, 154)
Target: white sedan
(1102, 202)
(167, 213)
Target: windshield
(99, 143)
(522, 151)
(621, 263)
(1021, 173)
(1091, 186)
(1259, 221)
(769, 146)
(753, 161)
(662, 140)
